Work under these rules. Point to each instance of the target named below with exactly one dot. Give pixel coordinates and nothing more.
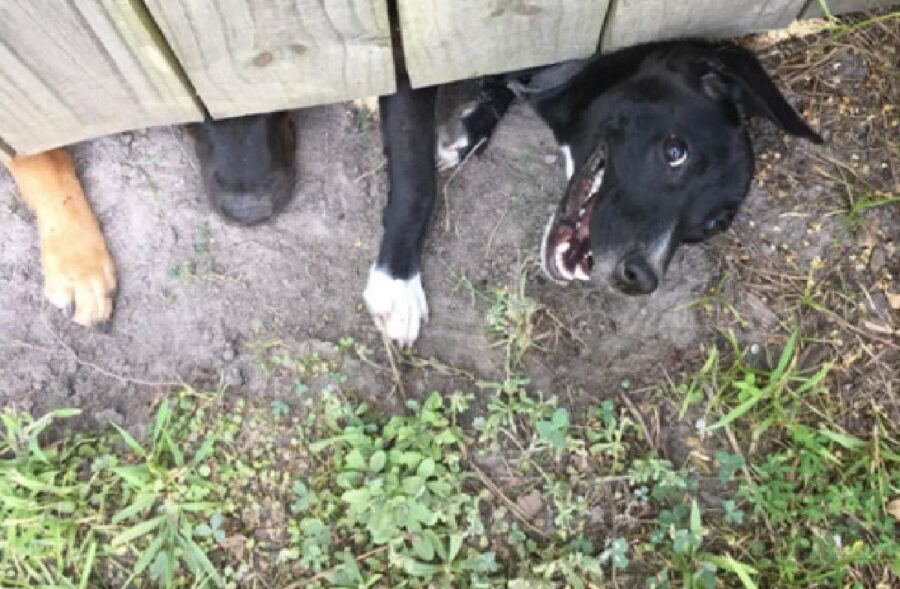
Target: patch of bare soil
(200, 300)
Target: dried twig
(446, 190)
(513, 507)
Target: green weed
(47, 509)
(166, 495)
(323, 491)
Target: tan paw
(79, 276)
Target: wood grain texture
(74, 70)
(814, 8)
(453, 40)
(636, 21)
(247, 56)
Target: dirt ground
(199, 298)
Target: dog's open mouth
(566, 248)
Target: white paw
(449, 150)
(397, 306)
(453, 140)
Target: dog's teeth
(581, 212)
(598, 180)
(561, 266)
(580, 274)
(563, 248)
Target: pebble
(233, 377)
(877, 260)
(109, 416)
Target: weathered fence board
(635, 21)
(452, 40)
(246, 56)
(75, 69)
(814, 8)
(79, 69)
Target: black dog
(653, 138)
(656, 155)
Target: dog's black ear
(736, 74)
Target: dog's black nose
(244, 208)
(633, 275)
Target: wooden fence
(76, 69)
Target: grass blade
(737, 411)
(88, 565)
(147, 557)
(135, 508)
(740, 569)
(137, 531)
(198, 560)
(162, 419)
(786, 354)
(129, 440)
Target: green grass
(49, 509)
(327, 492)
(858, 206)
(821, 493)
(839, 29)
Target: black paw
(247, 164)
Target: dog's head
(247, 164)
(659, 157)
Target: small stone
(893, 300)
(877, 259)
(531, 504)
(894, 509)
(233, 377)
(109, 416)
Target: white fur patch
(448, 151)
(566, 152)
(398, 306)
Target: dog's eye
(675, 151)
(719, 223)
(713, 225)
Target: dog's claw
(79, 278)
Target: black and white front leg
(394, 294)
(473, 123)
